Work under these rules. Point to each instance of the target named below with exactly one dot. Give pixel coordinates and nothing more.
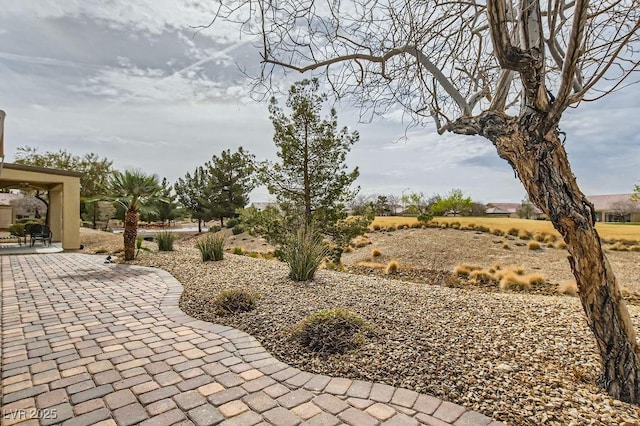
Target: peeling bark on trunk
(541, 163)
(130, 234)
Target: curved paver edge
(269, 365)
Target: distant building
(609, 208)
(615, 208)
(510, 210)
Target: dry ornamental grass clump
(234, 300)
(392, 267)
(463, 270)
(569, 288)
(375, 252)
(533, 245)
(332, 331)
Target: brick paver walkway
(87, 343)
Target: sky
(133, 81)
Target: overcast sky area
(128, 80)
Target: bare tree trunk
(130, 234)
(541, 163)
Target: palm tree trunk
(130, 234)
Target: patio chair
(40, 233)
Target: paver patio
(88, 343)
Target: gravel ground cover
(520, 358)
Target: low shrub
(497, 232)
(463, 270)
(536, 279)
(334, 331)
(416, 225)
(232, 301)
(444, 225)
(254, 255)
(513, 232)
(513, 281)
(539, 237)
(480, 276)
(211, 247)
(534, 245)
(635, 248)
(495, 267)
(550, 238)
(215, 228)
(481, 228)
(238, 251)
(371, 265)
(425, 218)
(506, 246)
(391, 228)
(238, 229)
(392, 267)
(304, 251)
(231, 223)
(17, 229)
(569, 287)
(376, 227)
(551, 245)
(454, 225)
(165, 240)
(524, 235)
(375, 252)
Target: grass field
(607, 231)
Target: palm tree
(135, 191)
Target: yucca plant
(304, 251)
(165, 240)
(212, 246)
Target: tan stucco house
(64, 198)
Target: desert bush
(513, 232)
(376, 227)
(254, 255)
(497, 232)
(444, 225)
(506, 246)
(524, 235)
(392, 228)
(375, 252)
(332, 331)
(550, 238)
(569, 287)
(211, 247)
(454, 225)
(238, 229)
(360, 241)
(392, 267)
(215, 228)
(480, 276)
(238, 251)
(619, 246)
(463, 270)
(348, 249)
(304, 251)
(481, 228)
(17, 229)
(513, 281)
(165, 240)
(234, 300)
(370, 264)
(536, 279)
(232, 223)
(416, 225)
(425, 218)
(534, 245)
